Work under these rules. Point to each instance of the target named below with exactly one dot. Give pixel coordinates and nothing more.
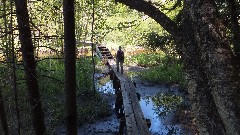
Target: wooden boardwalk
(127, 104)
(133, 115)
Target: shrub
(148, 59)
(51, 82)
(165, 73)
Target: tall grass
(161, 69)
(164, 74)
(148, 59)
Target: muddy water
(109, 126)
(159, 125)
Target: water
(107, 88)
(159, 125)
(110, 125)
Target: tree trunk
(5, 28)
(30, 67)
(197, 84)
(233, 7)
(235, 28)
(14, 76)
(70, 66)
(217, 57)
(3, 118)
(207, 60)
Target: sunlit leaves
(84, 73)
(47, 15)
(166, 70)
(161, 41)
(148, 59)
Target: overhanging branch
(146, 7)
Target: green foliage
(166, 103)
(84, 74)
(89, 101)
(91, 107)
(51, 85)
(155, 41)
(164, 74)
(129, 31)
(46, 16)
(161, 68)
(138, 25)
(148, 59)
(51, 76)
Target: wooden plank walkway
(131, 117)
(135, 121)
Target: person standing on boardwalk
(120, 59)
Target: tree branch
(146, 7)
(178, 3)
(39, 30)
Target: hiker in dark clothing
(120, 59)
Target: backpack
(120, 55)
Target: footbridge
(127, 105)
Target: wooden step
(105, 52)
(103, 49)
(109, 56)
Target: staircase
(103, 52)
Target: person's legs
(121, 64)
(117, 65)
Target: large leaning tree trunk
(197, 82)
(70, 66)
(30, 67)
(207, 60)
(217, 56)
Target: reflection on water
(106, 88)
(159, 125)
